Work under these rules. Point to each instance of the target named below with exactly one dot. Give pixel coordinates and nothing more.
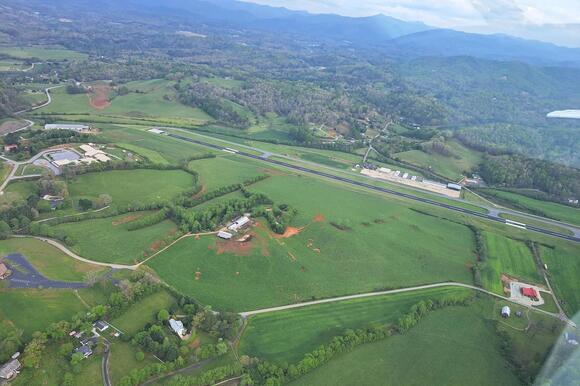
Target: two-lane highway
(372, 187)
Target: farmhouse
(9, 370)
(4, 271)
(224, 235)
(239, 223)
(177, 327)
(77, 128)
(505, 312)
(529, 292)
(85, 350)
(102, 157)
(90, 151)
(10, 148)
(54, 201)
(101, 325)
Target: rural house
(177, 327)
(9, 370)
(85, 350)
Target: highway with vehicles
(487, 216)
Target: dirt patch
(200, 193)
(319, 218)
(99, 97)
(11, 126)
(197, 275)
(232, 246)
(157, 245)
(289, 232)
(126, 219)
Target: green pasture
(143, 312)
(563, 261)
(452, 166)
(35, 309)
(542, 208)
(507, 256)
(151, 155)
(127, 186)
(285, 336)
(42, 53)
(224, 170)
(48, 260)
(108, 240)
(452, 346)
(123, 360)
(388, 245)
(17, 191)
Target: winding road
(247, 314)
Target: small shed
(505, 312)
(224, 235)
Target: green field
(48, 260)
(151, 155)
(108, 240)
(321, 261)
(127, 186)
(17, 191)
(507, 256)
(543, 208)
(452, 166)
(123, 360)
(143, 312)
(152, 100)
(285, 336)
(33, 309)
(224, 170)
(42, 53)
(563, 263)
(453, 346)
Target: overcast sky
(526, 18)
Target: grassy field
(321, 261)
(127, 186)
(224, 170)
(286, 336)
(563, 263)
(17, 191)
(170, 149)
(452, 167)
(108, 240)
(151, 155)
(143, 312)
(33, 309)
(42, 53)
(453, 346)
(123, 360)
(507, 256)
(147, 100)
(48, 260)
(543, 208)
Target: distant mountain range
(395, 37)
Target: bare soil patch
(289, 232)
(319, 218)
(11, 126)
(99, 97)
(232, 246)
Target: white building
(10, 370)
(239, 223)
(63, 162)
(505, 312)
(224, 235)
(102, 157)
(156, 131)
(177, 327)
(90, 151)
(77, 128)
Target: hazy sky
(508, 16)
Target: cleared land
(507, 256)
(371, 251)
(143, 312)
(108, 240)
(223, 171)
(564, 272)
(462, 336)
(34, 310)
(48, 260)
(127, 186)
(42, 53)
(288, 335)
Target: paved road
(31, 278)
(395, 291)
(409, 196)
(70, 253)
(105, 364)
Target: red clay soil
(319, 218)
(232, 246)
(289, 232)
(99, 98)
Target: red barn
(529, 292)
